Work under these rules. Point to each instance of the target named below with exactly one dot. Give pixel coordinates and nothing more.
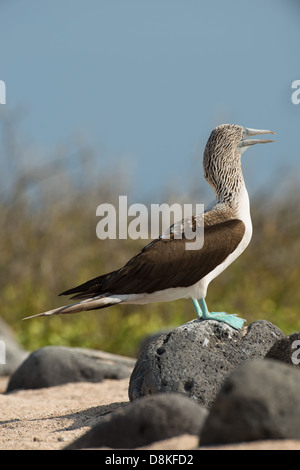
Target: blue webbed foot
(231, 319)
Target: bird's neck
(224, 174)
(230, 185)
(233, 204)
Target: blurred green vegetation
(48, 244)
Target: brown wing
(166, 263)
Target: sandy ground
(51, 418)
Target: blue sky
(145, 81)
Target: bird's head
(222, 154)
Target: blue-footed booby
(164, 270)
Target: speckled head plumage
(222, 158)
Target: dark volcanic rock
(259, 400)
(146, 420)
(195, 358)
(56, 365)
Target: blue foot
(231, 319)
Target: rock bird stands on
(165, 270)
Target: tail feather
(90, 288)
(84, 305)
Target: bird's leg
(231, 319)
(197, 308)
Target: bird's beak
(245, 142)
